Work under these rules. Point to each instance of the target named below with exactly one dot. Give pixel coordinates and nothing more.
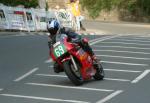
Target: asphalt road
(26, 73)
(118, 27)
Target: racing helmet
(53, 26)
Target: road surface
(26, 73)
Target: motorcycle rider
(54, 28)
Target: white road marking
(129, 47)
(93, 40)
(141, 76)
(110, 96)
(123, 63)
(123, 51)
(118, 70)
(144, 36)
(49, 75)
(51, 66)
(63, 76)
(123, 57)
(105, 38)
(1, 89)
(42, 98)
(132, 40)
(48, 61)
(26, 75)
(70, 87)
(120, 80)
(114, 70)
(125, 43)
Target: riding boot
(57, 68)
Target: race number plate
(59, 49)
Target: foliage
(26, 3)
(46, 8)
(144, 5)
(94, 7)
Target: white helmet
(53, 26)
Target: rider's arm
(76, 38)
(51, 41)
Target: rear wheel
(74, 75)
(99, 72)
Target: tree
(144, 5)
(26, 3)
(134, 7)
(94, 7)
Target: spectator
(76, 12)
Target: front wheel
(99, 72)
(74, 75)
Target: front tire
(74, 76)
(99, 72)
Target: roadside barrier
(3, 21)
(22, 19)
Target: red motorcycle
(77, 64)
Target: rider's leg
(57, 68)
(88, 49)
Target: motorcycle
(74, 61)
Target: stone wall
(104, 16)
(61, 3)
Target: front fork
(74, 64)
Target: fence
(16, 18)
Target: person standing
(76, 12)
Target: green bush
(144, 6)
(26, 3)
(135, 7)
(94, 7)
